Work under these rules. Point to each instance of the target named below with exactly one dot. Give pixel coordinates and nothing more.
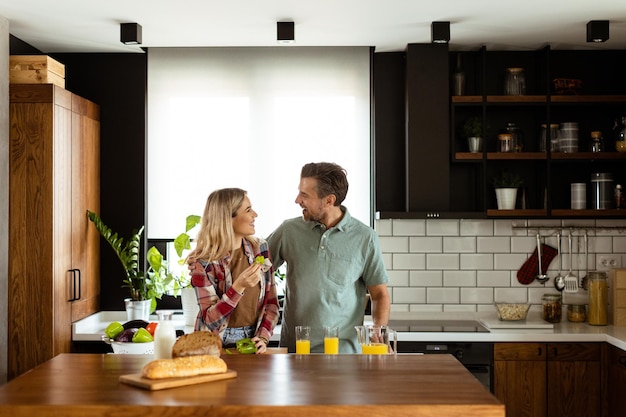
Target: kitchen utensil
(583, 280)
(559, 279)
(571, 280)
(541, 277)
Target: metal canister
(602, 193)
(598, 298)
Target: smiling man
(332, 261)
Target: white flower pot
(190, 307)
(137, 310)
(506, 198)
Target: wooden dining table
(72, 385)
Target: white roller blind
(250, 118)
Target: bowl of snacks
(512, 311)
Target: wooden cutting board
(157, 384)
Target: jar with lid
(514, 82)
(602, 191)
(597, 142)
(164, 335)
(552, 308)
(576, 313)
(619, 134)
(551, 135)
(505, 142)
(597, 287)
(518, 136)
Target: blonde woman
(236, 295)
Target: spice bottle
(597, 285)
(620, 203)
(552, 308)
(597, 142)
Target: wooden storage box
(36, 69)
(617, 299)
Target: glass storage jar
(597, 142)
(552, 308)
(619, 134)
(576, 313)
(597, 287)
(514, 82)
(505, 143)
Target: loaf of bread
(197, 343)
(182, 367)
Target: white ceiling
(389, 25)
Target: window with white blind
(250, 118)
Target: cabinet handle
(555, 352)
(622, 360)
(76, 289)
(539, 350)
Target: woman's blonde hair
(216, 233)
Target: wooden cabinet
(53, 253)
(547, 175)
(549, 379)
(616, 359)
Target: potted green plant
(506, 184)
(182, 245)
(144, 287)
(473, 131)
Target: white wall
(4, 191)
(466, 265)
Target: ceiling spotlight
(440, 32)
(130, 33)
(597, 30)
(285, 32)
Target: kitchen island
(74, 385)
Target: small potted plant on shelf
(145, 287)
(506, 184)
(473, 131)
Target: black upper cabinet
(442, 179)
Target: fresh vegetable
(113, 329)
(135, 324)
(142, 336)
(151, 327)
(245, 346)
(126, 335)
(260, 259)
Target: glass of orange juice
(374, 349)
(331, 340)
(303, 340)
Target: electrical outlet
(606, 262)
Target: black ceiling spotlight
(440, 32)
(130, 33)
(597, 30)
(285, 32)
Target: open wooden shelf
(517, 213)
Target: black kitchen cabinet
(616, 381)
(423, 175)
(547, 175)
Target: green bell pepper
(246, 346)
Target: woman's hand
(261, 344)
(250, 277)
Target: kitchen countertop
(265, 385)
(92, 328)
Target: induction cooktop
(434, 325)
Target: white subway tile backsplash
(442, 227)
(494, 244)
(459, 244)
(409, 261)
(403, 227)
(394, 244)
(476, 228)
(383, 227)
(442, 295)
(466, 265)
(459, 278)
(442, 261)
(426, 244)
(426, 278)
(459, 308)
(409, 295)
(477, 261)
(476, 295)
